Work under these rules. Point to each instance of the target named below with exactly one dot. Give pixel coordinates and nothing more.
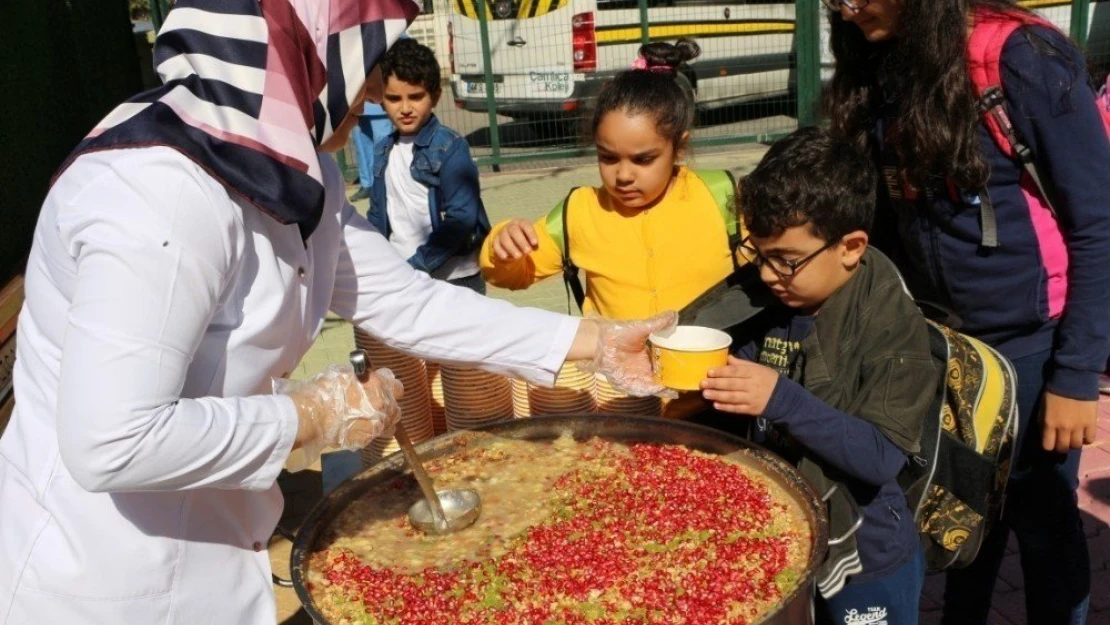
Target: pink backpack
(985, 51)
(988, 37)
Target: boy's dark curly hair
(412, 62)
(810, 178)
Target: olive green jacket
(868, 356)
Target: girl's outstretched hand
(516, 240)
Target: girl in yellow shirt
(653, 237)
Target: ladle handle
(360, 363)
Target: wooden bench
(11, 300)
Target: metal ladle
(440, 512)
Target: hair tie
(641, 63)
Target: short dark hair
(810, 177)
(654, 90)
(412, 62)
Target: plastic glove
(337, 411)
(623, 357)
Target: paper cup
(682, 356)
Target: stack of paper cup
(473, 398)
(416, 414)
(573, 393)
(612, 401)
(435, 388)
(522, 407)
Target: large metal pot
(795, 609)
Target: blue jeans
(1043, 511)
(371, 129)
(892, 599)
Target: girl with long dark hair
(1020, 264)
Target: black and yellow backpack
(722, 186)
(956, 485)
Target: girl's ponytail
(669, 58)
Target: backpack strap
(984, 59)
(556, 224)
(722, 186)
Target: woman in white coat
(185, 256)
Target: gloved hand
(336, 411)
(622, 354)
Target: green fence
(520, 75)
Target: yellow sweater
(635, 263)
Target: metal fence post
(157, 14)
(344, 167)
(491, 99)
(645, 27)
(807, 51)
(1080, 15)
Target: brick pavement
(530, 195)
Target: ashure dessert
(591, 532)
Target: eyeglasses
(853, 5)
(785, 268)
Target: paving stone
(933, 588)
(1004, 617)
(1100, 593)
(1099, 547)
(1010, 571)
(1092, 526)
(931, 602)
(1094, 461)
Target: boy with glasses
(836, 374)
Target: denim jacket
(441, 161)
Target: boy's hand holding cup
(740, 387)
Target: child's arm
(460, 193)
(849, 443)
(517, 254)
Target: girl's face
(636, 163)
(878, 19)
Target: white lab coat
(137, 476)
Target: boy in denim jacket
(426, 197)
(833, 370)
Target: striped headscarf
(251, 89)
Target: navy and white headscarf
(251, 89)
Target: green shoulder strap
(556, 225)
(722, 186)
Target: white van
(550, 56)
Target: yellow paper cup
(682, 356)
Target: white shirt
(137, 476)
(410, 221)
